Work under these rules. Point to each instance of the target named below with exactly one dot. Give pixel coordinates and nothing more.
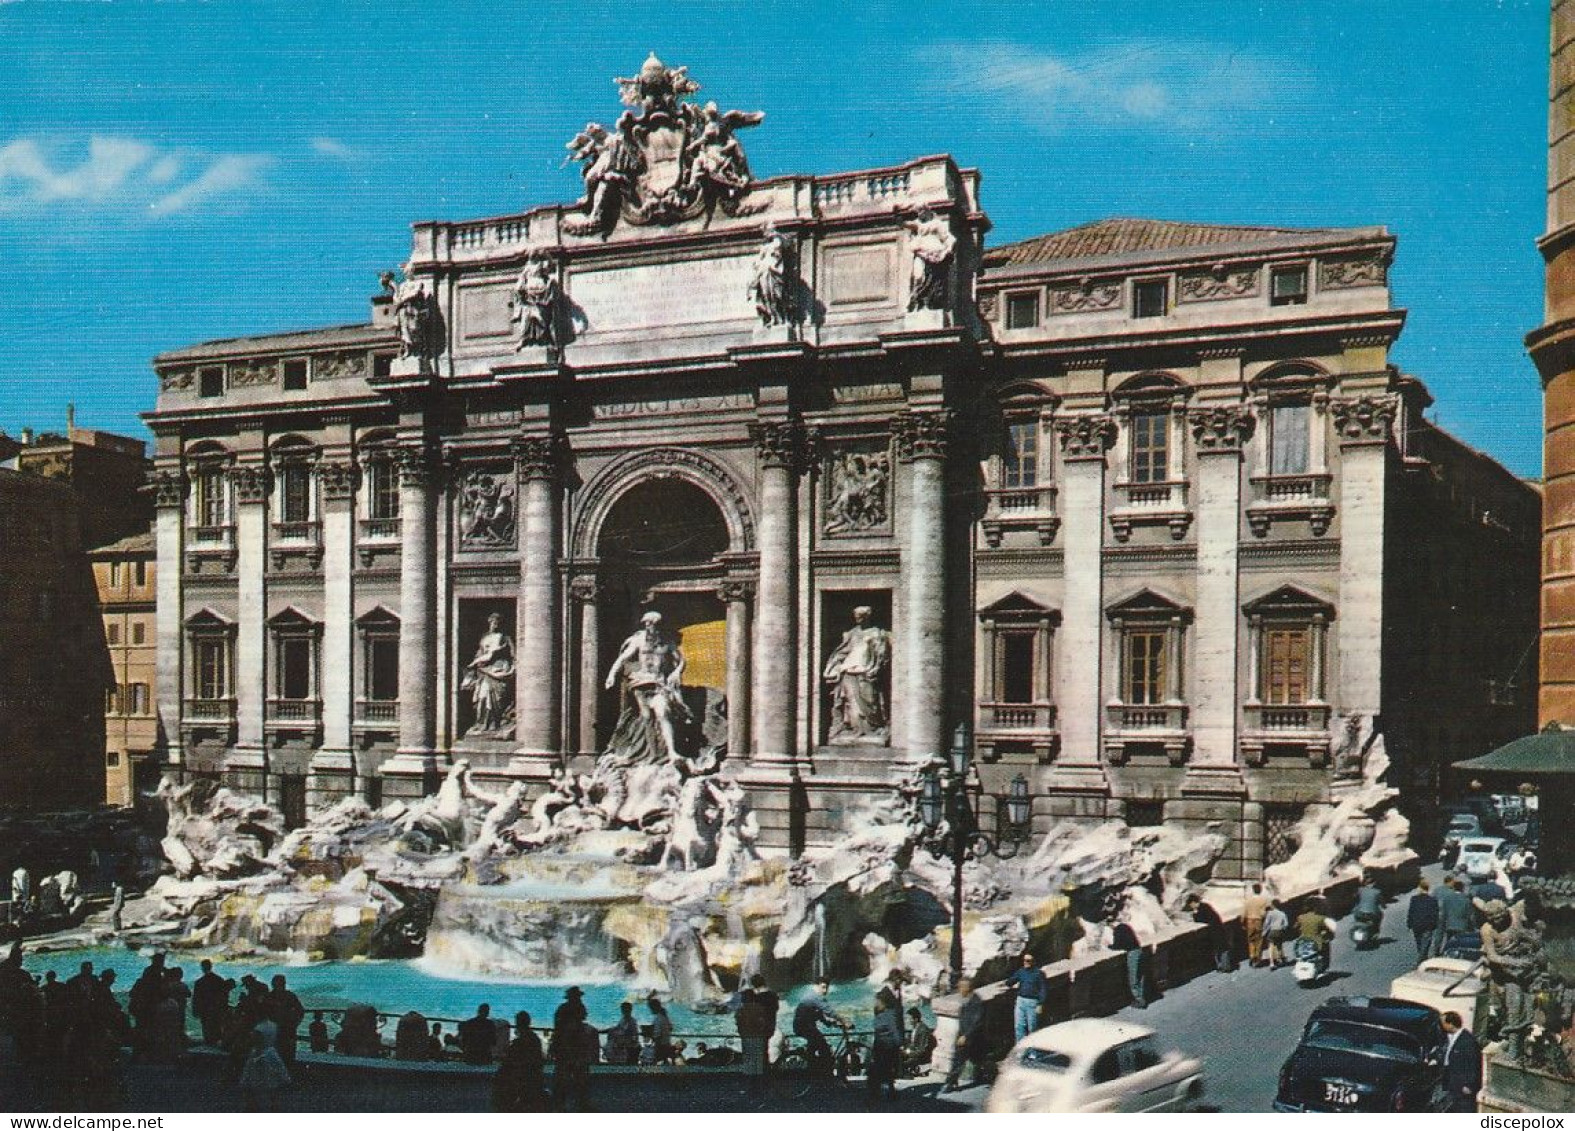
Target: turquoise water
(397, 986)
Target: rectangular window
(1022, 310)
(1288, 285)
(295, 494)
(382, 364)
(1285, 655)
(1289, 431)
(295, 375)
(295, 667)
(382, 668)
(141, 575)
(382, 490)
(1150, 447)
(112, 633)
(112, 700)
(1015, 678)
(1020, 468)
(139, 632)
(112, 758)
(1150, 298)
(211, 656)
(114, 575)
(208, 502)
(1144, 669)
(139, 699)
(210, 381)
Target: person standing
(1029, 981)
(1276, 926)
(210, 1002)
(1124, 938)
(571, 1058)
(477, 1035)
(754, 1035)
(970, 1045)
(1217, 936)
(1253, 909)
(886, 1053)
(661, 1029)
(1456, 916)
(287, 1013)
(519, 1084)
(1462, 1064)
(264, 1076)
(1421, 919)
(623, 1039)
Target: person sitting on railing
(437, 1042)
(410, 1038)
(477, 1036)
(623, 1039)
(317, 1033)
(921, 1044)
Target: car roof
(1389, 1012)
(1084, 1035)
(1482, 844)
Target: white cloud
(1181, 86)
(118, 174)
(333, 147)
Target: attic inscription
(662, 295)
(858, 274)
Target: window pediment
(208, 622)
(1289, 601)
(1019, 607)
(1146, 604)
(294, 622)
(380, 617)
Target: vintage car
(1366, 1054)
(1444, 984)
(1095, 1064)
(1481, 857)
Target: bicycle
(849, 1058)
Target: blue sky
(172, 173)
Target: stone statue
(486, 511)
(489, 677)
(412, 311)
(768, 287)
(535, 300)
(610, 163)
(857, 672)
(691, 845)
(21, 891)
(652, 666)
(931, 241)
(856, 492)
(717, 168)
(1515, 960)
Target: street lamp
(945, 791)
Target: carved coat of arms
(666, 159)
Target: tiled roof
(362, 334)
(1119, 236)
(132, 544)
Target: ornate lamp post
(945, 797)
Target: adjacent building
(124, 573)
(1143, 506)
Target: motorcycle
(1364, 932)
(1311, 961)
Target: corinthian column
(584, 592)
(1085, 438)
(333, 767)
(417, 655)
(1218, 433)
(777, 444)
(736, 595)
(536, 683)
(250, 484)
(921, 446)
(169, 495)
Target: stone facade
(771, 410)
(125, 576)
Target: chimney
(27, 437)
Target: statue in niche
(412, 311)
(535, 301)
(652, 667)
(768, 287)
(856, 492)
(857, 673)
(489, 678)
(931, 241)
(486, 511)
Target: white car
(1445, 984)
(1480, 856)
(1095, 1064)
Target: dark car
(1366, 1054)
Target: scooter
(1364, 932)
(1312, 961)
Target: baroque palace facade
(1143, 504)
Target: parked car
(1481, 857)
(1095, 1064)
(1366, 1054)
(1444, 984)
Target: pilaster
(249, 482)
(736, 595)
(1085, 438)
(169, 496)
(333, 765)
(922, 439)
(1363, 427)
